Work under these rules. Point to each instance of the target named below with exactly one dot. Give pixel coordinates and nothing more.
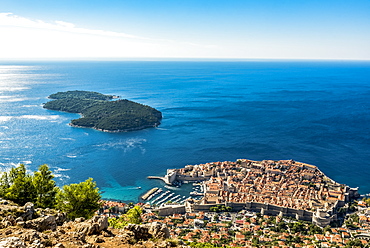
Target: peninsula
(100, 113)
(284, 187)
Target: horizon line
(193, 59)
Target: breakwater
(149, 193)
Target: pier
(169, 178)
(155, 177)
(159, 178)
(149, 193)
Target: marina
(172, 191)
(173, 194)
(160, 197)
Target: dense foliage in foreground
(77, 200)
(121, 115)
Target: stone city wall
(259, 208)
(191, 179)
(170, 210)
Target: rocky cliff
(22, 227)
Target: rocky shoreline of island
(118, 131)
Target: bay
(316, 112)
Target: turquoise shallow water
(309, 111)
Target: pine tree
(4, 184)
(45, 187)
(20, 189)
(133, 215)
(79, 200)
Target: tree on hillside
(133, 216)
(4, 184)
(18, 185)
(45, 187)
(79, 199)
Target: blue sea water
(316, 112)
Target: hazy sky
(325, 29)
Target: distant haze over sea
(316, 112)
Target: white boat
(195, 193)
(171, 187)
(161, 196)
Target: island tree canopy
(80, 94)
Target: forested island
(99, 112)
(80, 94)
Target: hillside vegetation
(80, 94)
(76, 200)
(99, 113)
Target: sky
(209, 29)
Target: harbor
(168, 194)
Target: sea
(317, 112)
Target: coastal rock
(132, 232)
(80, 236)
(42, 224)
(31, 236)
(29, 211)
(7, 222)
(43, 232)
(95, 225)
(60, 218)
(85, 228)
(158, 230)
(91, 246)
(99, 240)
(102, 222)
(19, 219)
(79, 220)
(127, 237)
(12, 242)
(36, 244)
(20, 224)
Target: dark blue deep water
(311, 111)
